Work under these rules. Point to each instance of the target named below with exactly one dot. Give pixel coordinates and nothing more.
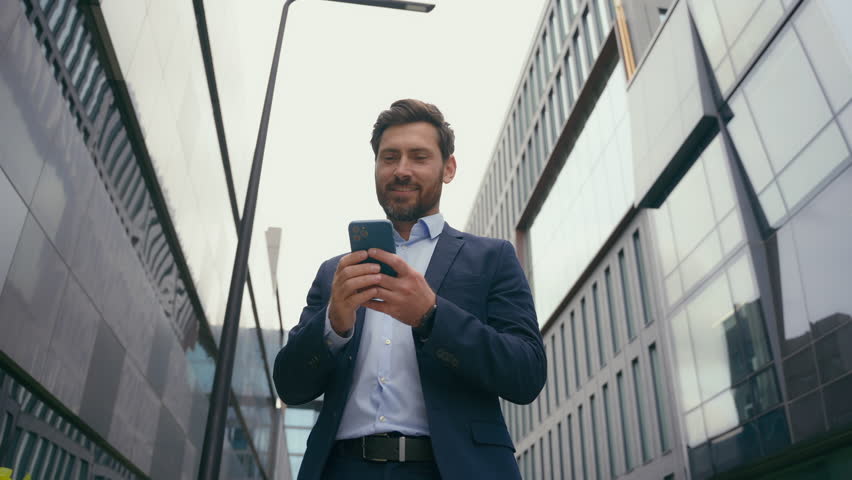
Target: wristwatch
(426, 323)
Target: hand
(354, 284)
(407, 297)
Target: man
(412, 366)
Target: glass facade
(694, 285)
(116, 249)
(584, 204)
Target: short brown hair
(409, 111)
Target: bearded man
(412, 367)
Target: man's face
(410, 171)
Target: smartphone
(368, 234)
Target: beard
(409, 212)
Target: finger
(377, 306)
(389, 283)
(361, 298)
(390, 297)
(354, 285)
(352, 259)
(353, 271)
(395, 261)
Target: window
(565, 360)
(555, 121)
(531, 163)
(561, 450)
(574, 345)
(640, 271)
(579, 60)
(540, 146)
(555, 37)
(590, 40)
(548, 53)
(596, 306)
(572, 79)
(529, 99)
(790, 144)
(562, 96)
(563, 18)
(595, 445)
(548, 353)
(625, 291)
(515, 129)
(640, 410)
(660, 399)
(519, 126)
(662, 13)
(571, 450)
(582, 442)
(540, 76)
(733, 32)
(605, 15)
(546, 138)
(541, 456)
(609, 433)
(530, 424)
(550, 454)
(554, 376)
(586, 345)
(574, 8)
(613, 326)
(517, 186)
(626, 433)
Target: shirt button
(382, 418)
(383, 380)
(387, 341)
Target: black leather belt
(387, 448)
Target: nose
(403, 168)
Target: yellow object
(5, 473)
(28, 477)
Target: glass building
(119, 203)
(675, 177)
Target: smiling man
(412, 366)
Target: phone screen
(366, 234)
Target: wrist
(424, 329)
(338, 327)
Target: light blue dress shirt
(386, 394)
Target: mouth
(402, 189)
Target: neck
(403, 228)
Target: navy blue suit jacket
(485, 344)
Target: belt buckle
(364, 452)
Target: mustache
(407, 183)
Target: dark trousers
(351, 468)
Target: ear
(449, 169)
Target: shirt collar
(430, 226)
(434, 224)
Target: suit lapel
(449, 244)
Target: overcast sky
(341, 66)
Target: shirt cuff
(334, 341)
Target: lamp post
(214, 434)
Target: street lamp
(398, 4)
(214, 434)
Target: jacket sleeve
(502, 354)
(305, 364)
